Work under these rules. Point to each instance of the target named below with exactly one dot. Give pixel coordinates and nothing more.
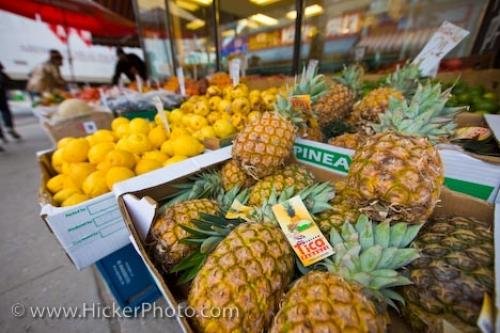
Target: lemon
(186, 120)
(197, 122)
(155, 155)
(122, 130)
(224, 106)
(56, 183)
(118, 121)
(101, 135)
(175, 116)
(174, 159)
(64, 194)
(75, 150)
(168, 147)
(213, 116)
(98, 152)
(138, 143)
(139, 126)
(238, 119)
(145, 165)
(157, 136)
(75, 199)
(201, 108)
(57, 160)
(95, 184)
(177, 132)
(207, 132)
(187, 145)
(120, 158)
(223, 128)
(103, 166)
(253, 116)
(122, 143)
(79, 171)
(117, 174)
(61, 143)
(213, 102)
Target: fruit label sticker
(301, 103)
(239, 211)
(442, 41)
(182, 81)
(302, 233)
(89, 127)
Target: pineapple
(347, 140)
(232, 175)
(337, 103)
(263, 145)
(398, 172)
(351, 295)
(311, 83)
(311, 131)
(452, 276)
(292, 175)
(375, 103)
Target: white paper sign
(234, 71)
(442, 41)
(182, 80)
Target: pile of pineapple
(222, 112)
(219, 235)
(88, 167)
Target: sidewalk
(34, 269)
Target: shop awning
(79, 14)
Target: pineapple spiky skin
(347, 140)
(292, 175)
(455, 270)
(249, 270)
(167, 231)
(373, 104)
(325, 302)
(396, 177)
(262, 147)
(335, 105)
(232, 175)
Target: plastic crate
(127, 278)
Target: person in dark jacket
(130, 65)
(4, 108)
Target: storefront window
(381, 32)
(260, 32)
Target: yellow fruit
(117, 174)
(144, 166)
(158, 120)
(213, 116)
(187, 145)
(177, 132)
(61, 143)
(223, 128)
(175, 116)
(224, 106)
(79, 171)
(241, 105)
(100, 136)
(122, 130)
(75, 150)
(197, 122)
(238, 119)
(120, 158)
(254, 115)
(214, 91)
(75, 199)
(139, 126)
(174, 159)
(138, 143)
(56, 183)
(157, 136)
(254, 94)
(64, 194)
(201, 108)
(225, 116)
(213, 102)
(98, 153)
(95, 184)
(155, 155)
(57, 160)
(117, 122)
(168, 147)
(207, 132)
(187, 107)
(103, 166)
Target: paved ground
(33, 268)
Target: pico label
(301, 103)
(302, 233)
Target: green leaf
(364, 228)
(191, 260)
(386, 257)
(403, 257)
(387, 273)
(210, 244)
(410, 234)
(370, 258)
(380, 282)
(392, 295)
(383, 234)
(192, 241)
(397, 233)
(363, 278)
(191, 274)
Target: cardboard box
(139, 208)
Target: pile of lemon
(90, 166)
(220, 113)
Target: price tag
(441, 43)
(234, 71)
(161, 113)
(182, 81)
(302, 233)
(89, 127)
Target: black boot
(14, 134)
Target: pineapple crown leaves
(371, 254)
(204, 185)
(310, 83)
(351, 77)
(284, 108)
(424, 116)
(404, 79)
(226, 199)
